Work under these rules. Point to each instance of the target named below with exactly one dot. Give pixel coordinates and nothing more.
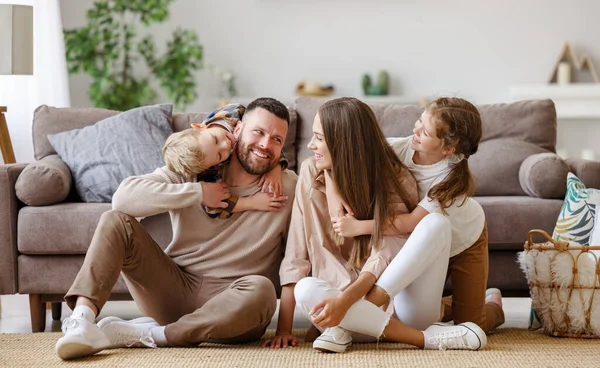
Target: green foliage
(109, 50)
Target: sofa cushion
(576, 219)
(509, 219)
(44, 182)
(102, 155)
(532, 121)
(496, 166)
(51, 120)
(53, 274)
(68, 228)
(544, 175)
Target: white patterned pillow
(576, 219)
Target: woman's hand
(281, 340)
(332, 311)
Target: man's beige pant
(194, 308)
(468, 272)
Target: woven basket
(564, 281)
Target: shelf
(573, 101)
(390, 99)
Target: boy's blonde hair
(183, 153)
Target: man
(214, 282)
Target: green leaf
(107, 48)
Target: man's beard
(244, 155)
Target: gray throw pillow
(100, 156)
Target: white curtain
(50, 65)
(49, 84)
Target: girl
(347, 141)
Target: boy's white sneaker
(333, 340)
(82, 338)
(464, 336)
(127, 334)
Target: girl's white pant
(414, 280)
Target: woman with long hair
(355, 172)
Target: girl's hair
(183, 153)
(365, 168)
(458, 125)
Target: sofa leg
(56, 310)
(37, 309)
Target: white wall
(471, 48)
(476, 49)
(16, 93)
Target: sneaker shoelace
(336, 333)
(449, 340)
(69, 324)
(135, 340)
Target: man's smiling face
(261, 135)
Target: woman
(355, 170)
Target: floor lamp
(16, 58)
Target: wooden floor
(15, 314)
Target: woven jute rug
(506, 348)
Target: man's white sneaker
(82, 338)
(138, 321)
(333, 340)
(464, 336)
(126, 334)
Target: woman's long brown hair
(458, 124)
(365, 168)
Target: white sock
(158, 334)
(83, 311)
(428, 344)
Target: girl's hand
(280, 340)
(332, 311)
(337, 206)
(267, 202)
(348, 226)
(271, 181)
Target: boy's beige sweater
(248, 243)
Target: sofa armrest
(9, 206)
(586, 170)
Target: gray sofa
(520, 183)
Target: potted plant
(109, 50)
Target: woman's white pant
(414, 280)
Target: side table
(5, 144)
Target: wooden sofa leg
(37, 309)
(56, 311)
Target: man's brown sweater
(248, 243)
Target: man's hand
(271, 181)
(213, 194)
(267, 202)
(348, 226)
(281, 340)
(332, 311)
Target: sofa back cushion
(51, 120)
(520, 128)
